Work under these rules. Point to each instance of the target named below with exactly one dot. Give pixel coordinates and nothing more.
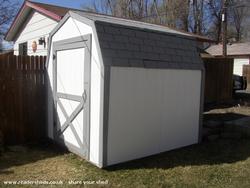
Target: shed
(122, 89)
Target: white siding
(36, 27)
(72, 28)
(151, 111)
(238, 65)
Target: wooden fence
(219, 79)
(246, 73)
(22, 98)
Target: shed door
(71, 86)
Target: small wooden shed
(122, 89)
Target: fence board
(22, 98)
(219, 79)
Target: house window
(23, 48)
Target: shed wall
(151, 111)
(36, 27)
(73, 28)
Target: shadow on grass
(239, 98)
(208, 153)
(25, 154)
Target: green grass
(224, 163)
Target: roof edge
(28, 4)
(15, 20)
(58, 26)
(199, 38)
(44, 11)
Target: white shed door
(71, 93)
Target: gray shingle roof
(237, 49)
(137, 44)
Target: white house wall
(73, 28)
(238, 65)
(36, 27)
(151, 111)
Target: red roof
(57, 10)
(52, 11)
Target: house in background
(34, 21)
(31, 27)
(240, 52)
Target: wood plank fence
(22, 98)
(219, 79)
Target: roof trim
(28, 4)
(44, 11)
(15, 20)
(58, 26)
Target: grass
(224, 163)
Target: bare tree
(237, 14)
(133, 9)
(215, 7)
(197, 15)
(8, 11)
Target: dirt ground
(239, 107)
